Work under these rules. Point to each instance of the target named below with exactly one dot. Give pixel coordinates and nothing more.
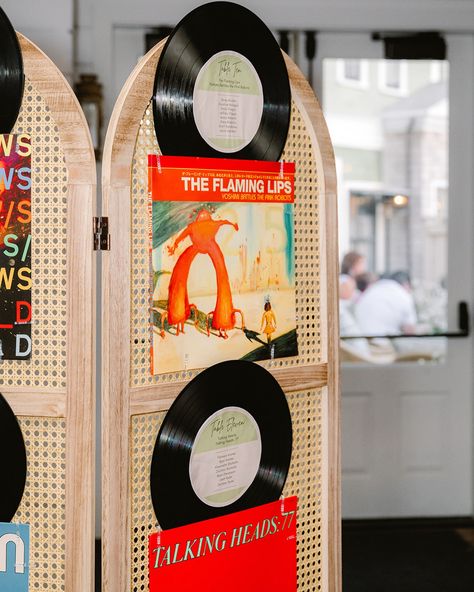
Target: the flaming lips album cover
(15, 247)
(222, 235)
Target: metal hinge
(101, 236)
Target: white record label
(225, 456)
(228, 101)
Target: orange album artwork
(222, 251)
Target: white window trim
(363, 83)
(429, 210)
(438, 71)
(435, 71)
(382, 78)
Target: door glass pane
(390, 138)
(393, 74)
(352, 69)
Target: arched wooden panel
(135, 402)
(52, 393)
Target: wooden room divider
(52, 393)
(135, 401)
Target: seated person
(365, 280)
(387, 307)
(347, 322)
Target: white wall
(109, 27)
(110, 32)
(49, 24)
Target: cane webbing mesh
(304, 480)
(298, 149)
(47, 365)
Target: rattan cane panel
(304, 480)
(144, 429)
(43, 503)
(47, 365)
(298, 149)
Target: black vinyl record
(251, 93)
(12, 79)
(224, 446)
(12, 462)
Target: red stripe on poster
(220, 180)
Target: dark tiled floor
(408, 556)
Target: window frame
(364, 81)
(383, 87)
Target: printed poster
(253, 550)
(14, 556)
(15, 247)
(222, 250)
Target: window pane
(352, 69)
(392, 161)
(392, 73)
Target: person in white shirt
(387, 307)
(347, 324)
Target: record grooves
(235, 390)
(12, 464)
(11, 75)
(206, 32)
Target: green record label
(228, 101)
(225, 456)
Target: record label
(228, 101)
(225, 456)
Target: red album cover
(251, 551)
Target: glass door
(402, 133)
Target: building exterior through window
(388, 121)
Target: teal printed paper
(14, 557)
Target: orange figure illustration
(202, 233)
(268, 321)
